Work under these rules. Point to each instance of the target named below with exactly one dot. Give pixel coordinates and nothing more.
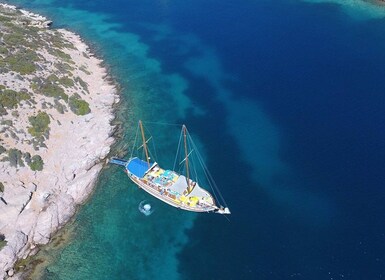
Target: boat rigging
(178, 190)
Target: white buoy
(145, 208)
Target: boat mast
(144, 143)
(186, 158)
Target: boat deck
(170, 187)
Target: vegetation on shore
(10, 99)
(79, 106)
(3, 242)
(44, 89)
(26, 51)
(36, 163)
(37, 74)
(2, 237)
(17, 158)
(39, 125)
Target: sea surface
(286, 99)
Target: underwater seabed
(110, 227)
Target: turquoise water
(286, 99)
(111, 226)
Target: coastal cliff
(56, 108)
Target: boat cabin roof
(138, 167)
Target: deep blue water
(286, 98)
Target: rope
(163, 123)
(208, 175)
(155, 155)
(216, 192)
(136, 138)
(227, 218)
(177, 150)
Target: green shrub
(83, 68)
(34, 86)
(64, 68)
(10, 98)
(58, 41)
(14, 39)
(14, 157)
(39, 124)
(23, 61)
(52, 78)
(62, 55)
(36, 163)
(59, 107)
(52, 90)
(79, 106)
(82, 83)
(67, 82)
(5, 19)
(2, 149)
(24, 68)
(7, 122)
(1, 188)
(3, 111)
(3, 50)
(3, 242)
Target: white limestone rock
(9, 254)
(39, 203)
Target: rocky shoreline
(65, 86)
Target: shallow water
(286, 99)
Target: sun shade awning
(138, 167)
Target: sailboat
(178, 190)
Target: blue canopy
(137, 167)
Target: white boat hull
(169, 200)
